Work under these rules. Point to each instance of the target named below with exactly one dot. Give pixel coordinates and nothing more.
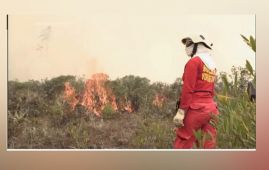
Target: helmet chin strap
(194, 50)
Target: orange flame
(158, 100)
(128, 107)
(95, 96)
(70, 95)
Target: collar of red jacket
(207, 60)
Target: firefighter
(197, 109)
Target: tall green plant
(225, 83)
(249, 68)
(251, 42)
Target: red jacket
(198, 83)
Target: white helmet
(192, 44)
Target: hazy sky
(149, 46)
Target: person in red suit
(197, 109)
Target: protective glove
(178, 118)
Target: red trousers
(198, 117)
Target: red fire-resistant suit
(197, 101)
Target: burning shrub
(95, 95)
(159, 100)
(70, 95)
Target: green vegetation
(39, 117)
(109, 113)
